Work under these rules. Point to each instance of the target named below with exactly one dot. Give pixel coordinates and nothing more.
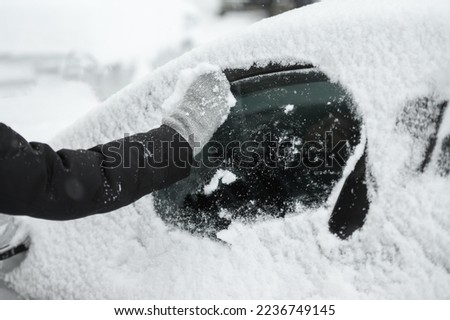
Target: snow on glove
(204, 108)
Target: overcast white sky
(109, 29)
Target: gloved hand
(203, 109)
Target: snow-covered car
(375, 74)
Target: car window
(285, 142)
(444, 157)
(421, 119)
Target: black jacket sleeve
(69, 184)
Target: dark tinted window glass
(286, 141)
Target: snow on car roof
(385, 53)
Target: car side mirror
(352, 205)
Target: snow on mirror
(286, 142)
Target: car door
(284, 146)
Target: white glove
(204, 108)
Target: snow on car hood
(385, 53)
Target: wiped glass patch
(286, 141)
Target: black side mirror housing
(352, 205)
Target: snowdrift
(385, 53)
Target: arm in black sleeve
(70, 184)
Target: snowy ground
(144, 34)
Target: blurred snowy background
(60, 58)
